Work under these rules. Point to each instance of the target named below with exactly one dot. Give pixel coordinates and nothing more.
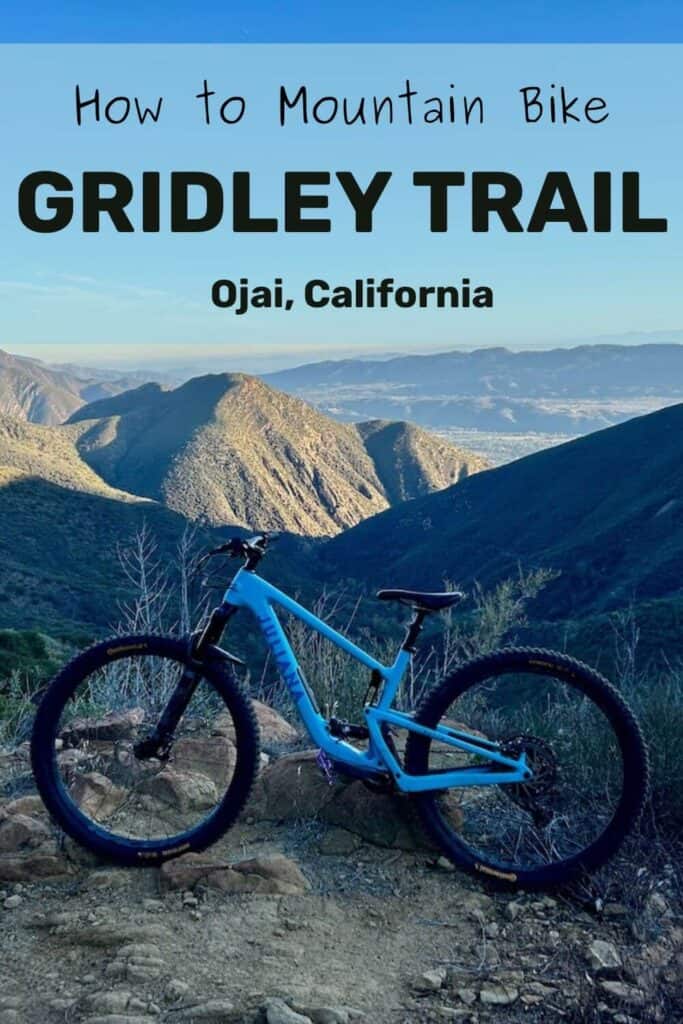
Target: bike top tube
(247, 590)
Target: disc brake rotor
(533, 796)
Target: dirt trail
(386, 934)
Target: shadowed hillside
(226, 448)
(410, 462)
(48, 453)
(59, 551)
(606, 510)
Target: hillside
(50, 454)
(30, 390)
(565, 391)
(606, 510)
(226, 448)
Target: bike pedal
(326, 766)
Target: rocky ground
(323, 905)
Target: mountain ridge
(566, 391)
(427, 369)
(33, 391)
(606, 510)
(227, 448)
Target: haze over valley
(498, 403)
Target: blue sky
(353, 21)
(136, 298)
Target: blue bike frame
(248, 590)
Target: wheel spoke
(570, 741)
(132, 797)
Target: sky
(136, 298)
(523, 21)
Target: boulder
(96, 795)
(603, 957)
(629, 995)
(498, 993)
(114, 726)
(19, 832)
(276, 1011)
(293, 787)
(113, 932)
(27, 848)
(183, 790)
(430, 981)
(31, 805)
(274, 730)
(339, 842)
(44, 862)
(275, 875)
(277, 869)
(212, 756)
(137, 962)
(69, 760)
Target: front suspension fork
(158, 743)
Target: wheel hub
(533, 795)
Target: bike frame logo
(289, 670)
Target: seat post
(413, 631)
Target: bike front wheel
(94, 776)
(585, 749)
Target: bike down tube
(250, 591)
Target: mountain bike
(524, 766)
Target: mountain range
(219, 450)
(564, 390)
(604, 371)
(226, 448)
(375, 502)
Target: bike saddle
(418, 599)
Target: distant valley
(509, 403)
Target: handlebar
(251, 548)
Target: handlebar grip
(239, 547)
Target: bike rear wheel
(90, 770)
(582, 742)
